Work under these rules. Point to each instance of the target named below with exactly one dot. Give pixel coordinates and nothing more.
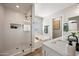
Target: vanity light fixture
(17, 6)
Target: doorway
(57, 27)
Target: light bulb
(17, 6)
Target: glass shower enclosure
(16, 29)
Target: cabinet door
(49, 52)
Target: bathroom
(25, 28)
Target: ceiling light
(17, 6)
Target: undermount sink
(58, 42)
(58, 45)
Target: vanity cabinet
(49, 52)
(55, 47)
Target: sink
(59, 46)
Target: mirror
(74, 23)
(66, 28)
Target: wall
(15, 37)
(65, 13)
(37, 25)
(1, 26)
(47, 22)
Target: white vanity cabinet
(49, 52)
(54, 48)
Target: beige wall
(1, 26)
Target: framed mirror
(74, 23)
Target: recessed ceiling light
(17, 6)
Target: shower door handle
(30, 44)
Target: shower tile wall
(13, 38)
(1, 27)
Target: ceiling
(46, 9)
(41, 9)
(74, 18)
(23, 7)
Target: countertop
(58, 45)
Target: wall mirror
(66, 27)
(74, 23)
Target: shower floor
(37, 52)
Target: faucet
(73, 35)
(73, 40)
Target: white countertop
(58, 46)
